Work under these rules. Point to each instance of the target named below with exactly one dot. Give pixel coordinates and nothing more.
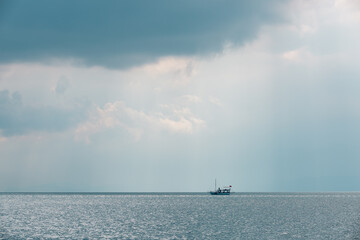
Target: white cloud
(312, 16)
(192, 98)
(349, 8)
(168, 71)
(299, 55)
(136, 123)
(215, 101)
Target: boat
(221, 191)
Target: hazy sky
(168, 95)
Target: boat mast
(215, 184)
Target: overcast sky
(169, 95)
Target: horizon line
(174, 193)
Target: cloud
(127, 33)
(18, 119)
(281, 107)
(192, 98)
(10, 100)
(177, 71)
(62, 85)
(301, 55)
(135, 122)
(215, 101)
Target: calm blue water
(180, 216)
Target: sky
(166, 96)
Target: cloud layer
(127, 33)
(136, 122)
(276, 110)
(17, 119)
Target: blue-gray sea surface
(180, 216)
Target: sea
(179, 216)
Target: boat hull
(220, 193)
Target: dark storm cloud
(125, 33)
(17, 119)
